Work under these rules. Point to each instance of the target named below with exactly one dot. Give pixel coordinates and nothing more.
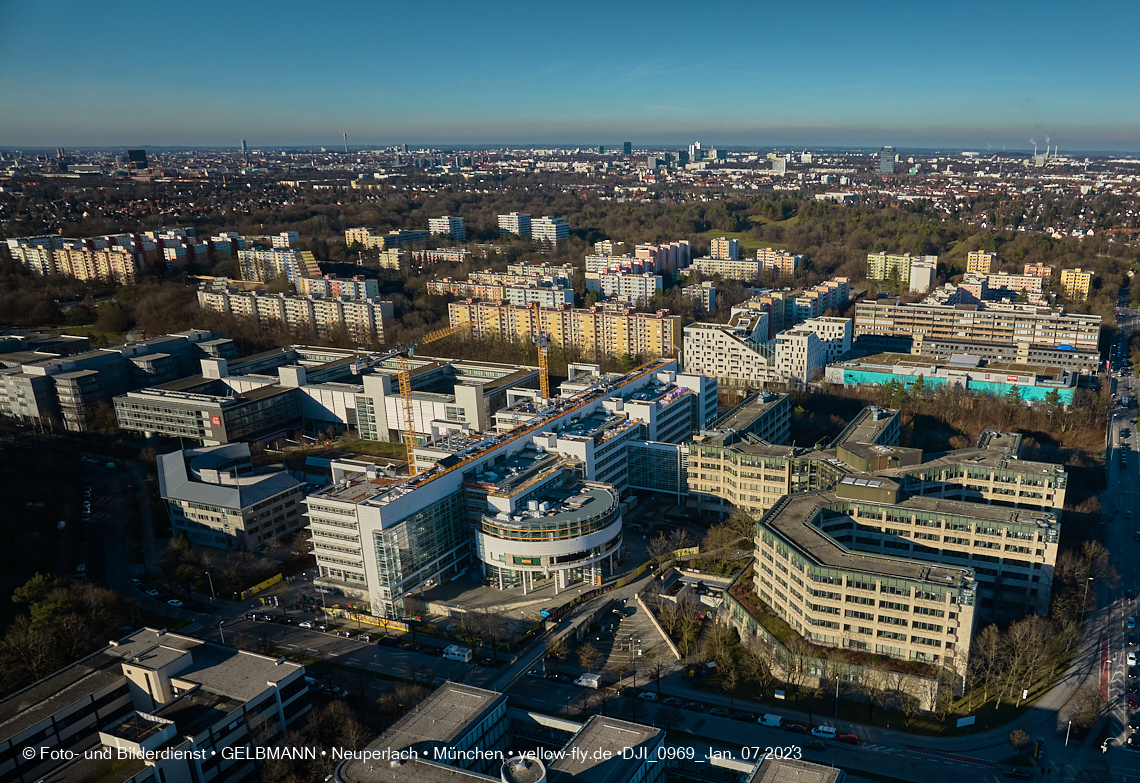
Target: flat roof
(42, 699)
(604, 734)
(958, 361)
(791, 519)
(774, 770)
(103, 770)
(867, 426)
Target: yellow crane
(544, 365)
(404, 365)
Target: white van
(457, 653)
(769, 720)
(589, 681)
(824, 732)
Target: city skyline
(829, 76)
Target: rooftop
(958, 361)
(604, 734)
(867, 427)
(791, 771)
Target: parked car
(720, 712)
(1131, 623)
(175, 603)
(1132, 701)
(743, 717)
(795, 728)
(1017, 772)
(305, 624)
(136, 583)
(562, 678)
(672, 701)
(322, 628)
(535, 673)
(152, 593)
(364, 637)
(824, 732)
(850, 739)
(814, 744)
(345, 634)
(695, 706)
(649, 696)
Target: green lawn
(374, 448)
(787, 223)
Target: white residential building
(923, 270)
(635, 289)
(737, 354)
(834, 333)
(447, 226)
(741, 269)
(549, 229)
(523, 295)
(514, 223)
(724, 249)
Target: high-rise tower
(244, 152)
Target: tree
(495, 629)
(1019, 739)
(602, 697)
(632, 708)
(35, 589)
(668, 717)
(756, 663)
(556, 650)
(654, 668)
(729, 680)
(589, 656)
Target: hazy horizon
(755, 75)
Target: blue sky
(912, 74)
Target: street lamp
(222, 632)
(837, 697)
(213, 595)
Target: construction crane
(544, 365)
(404, 365)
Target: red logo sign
(1011, 379)
(215, 421)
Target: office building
(266, 265)
(364, 319)
(923, 271)
(627, 148)
(724, 249)
(447, 226)
(1075, 284)
(635, 289)
(397, 536)
(514, 223)
(980, 262)
(597, 330)
(896, 267)
(333, 287)
(469, 732)
(549, 229)
(56, 385)
(1031, 383)
(153, 706)
(217, 498)
(136, 159)
(1027, 334)
(244, 153)
(836, 335)
(887, 160)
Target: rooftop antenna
(346, 142)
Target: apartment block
(263, 266)
(1076, 284)
(1038, 334)
(923, 271)
(835, 334)
(514, 223)
(1039, 270)
(596, 331)
(370, 239)
(788, 307)
(781, 262)
(724, 249)
(635, 289)
(334, 287)
(395, 259)
(447, 226)
(704, 294)
(608, 247)
(980, 262)
(549, 229)
(741, 269)
(217, 498)
(565, 271)
(739, 353)
(446, 255)
(153, 706)
(365, 319)
(892, 266)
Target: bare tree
(589, 656)
(756, 662)
(1019, 739)
(729, 680)
(602, 697)
(798, 652)
(495, 629)
(632, 708)
(869, 685)
(668, 718)
(718, 645)
(556, 650)
(654, 667)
